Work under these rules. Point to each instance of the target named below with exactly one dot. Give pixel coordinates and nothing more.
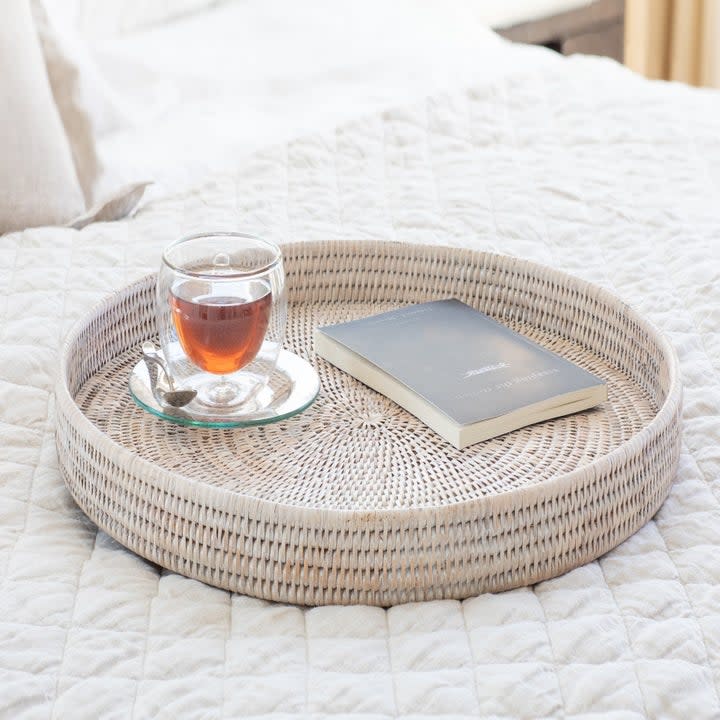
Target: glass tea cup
(221, 313)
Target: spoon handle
(154, 359)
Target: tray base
(354, 449)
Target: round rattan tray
(356, 501)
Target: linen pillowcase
(87, 108)
(38, 182)
(103, 18)
(53, 82)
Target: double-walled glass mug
(222, 311)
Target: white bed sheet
(574, 163)
(108, 18)
(232, 79)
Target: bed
(572, 162)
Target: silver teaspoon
(170, 397)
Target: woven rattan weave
(356, 501)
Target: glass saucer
(292, 388)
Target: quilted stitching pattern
(612, 178)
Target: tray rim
(236, 503)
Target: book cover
(465, 365)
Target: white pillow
(64, 76)
(38, 181)
(50, 169)
(102, 18)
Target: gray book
(465, 375)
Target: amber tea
(221, 334)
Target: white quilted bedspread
(574, 163)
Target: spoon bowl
(155, 364)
